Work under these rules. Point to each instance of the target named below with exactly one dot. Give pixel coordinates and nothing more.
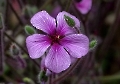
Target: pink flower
(59, 39)
(84, 6)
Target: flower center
(55, 38)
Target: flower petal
(76, 44)
(43, 21)
(37, 44)
(84, 6)
(62, 25)
(57, 59)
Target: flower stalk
(1, 43)
(68, 5)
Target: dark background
(100, 66)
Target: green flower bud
(29, 30)
(28, 80)
(93, 44)
(42, 76)
(69, 21)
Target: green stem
(83, 69)
(68, 5)
(22, 22)
(108, 78)
(45, 4)
(2, 27)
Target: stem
(1, 51)
(50, 79)
(18, 17)
(75, 10)
(19, 47)
(11, 39)
(85, 68)
(68, 5)
(108, 78)
(20, 3)
(112, 31)
(61, 4)
(1, 43)
(45, 4)
(81, 18)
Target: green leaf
(42, 76)
(29, 30)
(69, 21)
(28, 80)
(93, 44)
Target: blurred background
(100, 66)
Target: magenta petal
(43, 21)
(37, 44)
(76, 44)
(62, 25)
(84, 6)
(57, 59)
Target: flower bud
(42, 76)
(29, 30)
(28, 80)
(69, 21)
(93, 44)
(14, 49)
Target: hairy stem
(1, 43)
(50, 79)
(68, 5)
(20, 47)
(21, 20)
(84, 69)
(45, 4)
